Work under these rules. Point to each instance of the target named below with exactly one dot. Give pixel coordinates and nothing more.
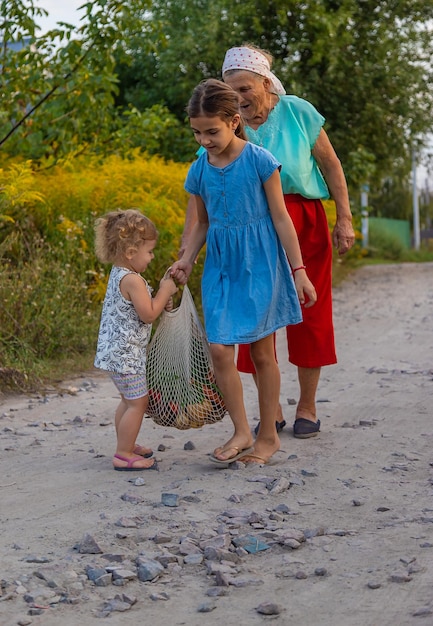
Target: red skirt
(310, 343)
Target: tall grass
(51, 284)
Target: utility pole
(364, 213)
(415, 205)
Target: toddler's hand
(168, 284)
(169, 306)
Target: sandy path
(347, 517)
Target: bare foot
(142, 451)
(232, 449)
(254, 459)
(264, 449)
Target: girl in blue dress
(254, 279)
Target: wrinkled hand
(343, 235)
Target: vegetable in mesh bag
(180, 377)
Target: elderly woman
(292, 130)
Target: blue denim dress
(247, 286)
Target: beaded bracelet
(301, 267)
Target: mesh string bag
(180, 377)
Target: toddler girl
(127, 240)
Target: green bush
(385, 246)
(51, 284)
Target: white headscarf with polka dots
(253, 61)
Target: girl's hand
(169, 306)
(180, 271)
(304, 287)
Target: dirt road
(338, 531)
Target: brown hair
(211, 98)
(119, 231)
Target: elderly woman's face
(253, 92)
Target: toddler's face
(143, 256)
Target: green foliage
(51, 285)
(123, 78)
(386, 246)
(154, 131)
(57, 89)
(365, 66)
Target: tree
(366, 66)
(58, 89)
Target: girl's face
(140, 259)
(214, 133)
(253, 91)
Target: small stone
(320, 571)
(250, 543)
(170, 499)
(161, 447)
(268, 608)
(189, 445)
(372, 584)
(93, 573)
(126, 522)
(400, 577)
(423, 611)
(282, 508)
(216, 592)
(221, 580)
(280, 486)
(138, 481)
(193, 559)
(162, 595)
(148, 569)
(104, 581)
(132, 499)
(37, 559)
(206, 607)
(89, 545)
(309, 473)
(161, 538)
(123, 574)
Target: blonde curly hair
(120, 231)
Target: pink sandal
(130, 464)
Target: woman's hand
(343, 235)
